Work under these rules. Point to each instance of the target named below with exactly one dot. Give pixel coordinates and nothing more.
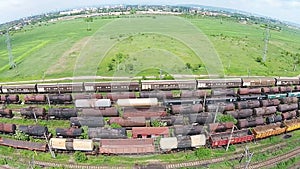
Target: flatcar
(34, 146)
(127, 146)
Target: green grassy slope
(66, 48)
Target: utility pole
(12, 64)
(248, 155)
(266, 44)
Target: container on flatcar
(294, 94)
(276, 96)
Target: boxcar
(168, 84)
(22, 88)
(60, 87)
(111, 86)
(285, 81)
(149, 132)
(258, 82)
(219, 83)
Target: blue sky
(287, 10)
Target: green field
(142, 45)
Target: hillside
(141, 45)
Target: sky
(286, 10)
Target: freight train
(148, 85)
(148, 145)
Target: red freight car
(238, 136)
(149, 132)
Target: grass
(66, 48)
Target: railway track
(273, 161)
(207, 162)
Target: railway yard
(153, 117)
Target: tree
(115, 126)
(110, 67)
(88, 20)
(188, 66)
(84, 134)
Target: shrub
(79, 157)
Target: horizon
(280, 10)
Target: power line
(266, 43)
(12, 64)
